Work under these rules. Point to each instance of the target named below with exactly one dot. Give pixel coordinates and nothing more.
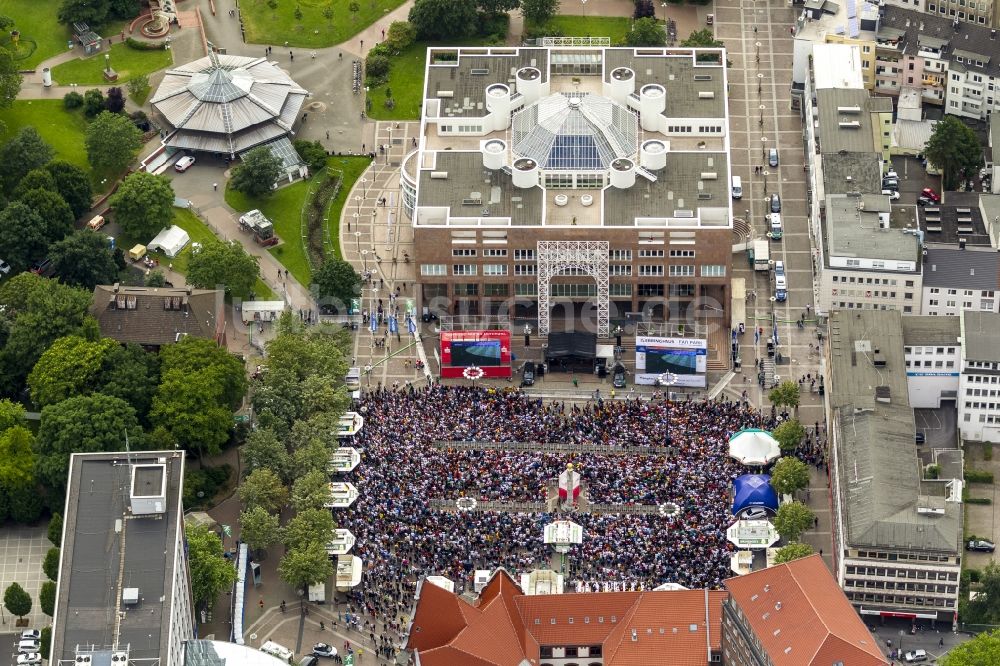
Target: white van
(737, 187)
(780, 288)
(779, 268)
(776, 229)
(275, 650)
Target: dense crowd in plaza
(400, 537)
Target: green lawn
(61, 129)
(406, 80)
(128, 62)
(37, 23)
(351, 168)
(275, 27)
(615, 27)
(284, 208)
(199, 233)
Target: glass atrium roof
(575, 131)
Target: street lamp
(763, 147)
(357, 237)
(762, 107)
(358, 199)
(760, 80)
(766, 173)
(364, 187)
(364, 259)
(584, 3)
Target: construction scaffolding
(587, 257)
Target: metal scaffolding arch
(589, 257)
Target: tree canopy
(263, 488)
(982, 650)
(143, 205)
(112, 141)
(132, 374)
(82, 424)
(259, 529)
(70, 366)
(211, 573)
(256, 173)
(792, 519)
(73, 185)
(336, 283)
(785, 394)
(228, 265)
(985, 608)
(84, 259)
(789, 474)
(307, 526)
(539, 11)
(263, 450)
(444, 19)
(789, 434)
(703, 38)
(305, 566)
(24, 236)
(17, 600)
(954, 148)
(44, 311)
(10, 75)
(22, 153)
(792, 551)
(646, 32)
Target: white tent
(754, 447)
(171, 241)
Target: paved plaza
(22, 550)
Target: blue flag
(374, 323)
(393, 324)
(411, 325)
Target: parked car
(28, 646)
(892, 194)
(184, 163)
(324, 650)
(775, 203)
(915, 657)
(920, 437)
(931, 194)
(309, 660)
(772, 157)
(41, 267)
(923, 201)
(29, 659)
(980, 545)
(4, 267)
(528, 374)
(890, 184)
(618, 376)
(31, 635)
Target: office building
(979, 390)
(870, 256)
(579, 179)
(846, 24)
(971, 13)
(932, 354)
(897, 535)
(794, 614)
(124, 593)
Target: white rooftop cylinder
(525, 173)
(529, 83)
(622, 173)
(498, 102)
(653, 154)
(622, 84)
(652, 103)
(493, 151)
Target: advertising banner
(486, 349)
(685, 360)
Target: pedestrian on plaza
(291, 56)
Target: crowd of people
(402, 537)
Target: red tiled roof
(662, 622)
(440, 616)
(802, 617)
(502, 629)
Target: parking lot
(913, 178)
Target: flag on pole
(775, 334)
(411, 325)
(393, 324)
(374, 323)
